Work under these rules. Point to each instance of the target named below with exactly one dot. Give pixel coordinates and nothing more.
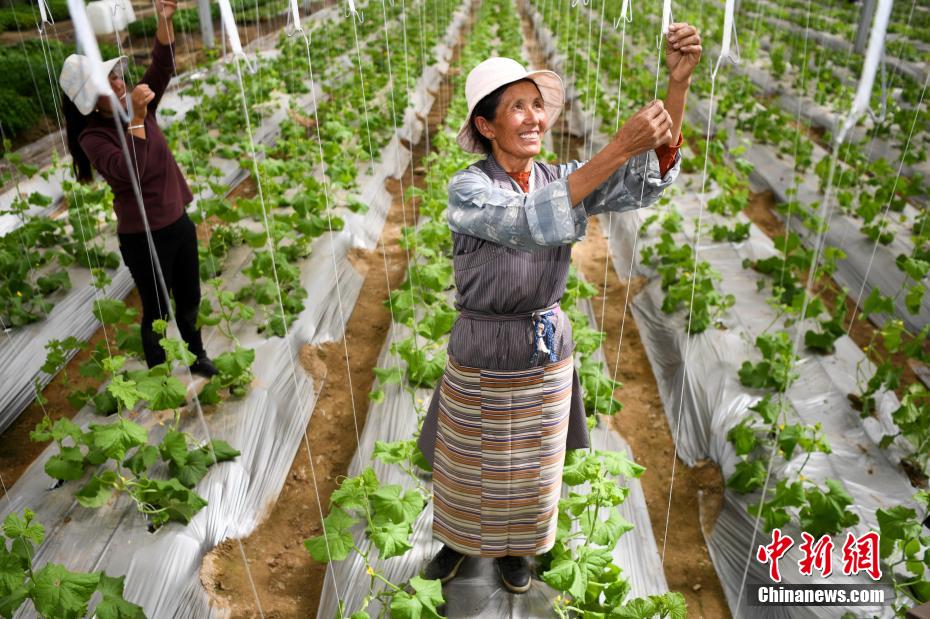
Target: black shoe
(515, 573)
(204, 367)
(444, 566)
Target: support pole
(865, 25)
(206, 23)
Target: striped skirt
(500, 447)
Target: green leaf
(113, 605)
(566, 575)
(673, 604)
(124, 391)
(192, 471)
(219, 450)
(393, 453)
(67, 464)
(337, 542)
(235, 363)
(110, 311)
(117, 438)
(12, 573)
(388, 502)
(174, 501)
(97, 491)
(788, 439)
(429, 593)
(748, 476)
(638, 608)
(605, 532)
(743, 438)
(210, 394)
(618, 463)
(173, 448)
(162, 392)
(62, 594)
(876, 302)
(826, 512)
(23, 526)
(353, 492)
(896, 523)
(11, 602)
(405, 606)
(392, 539)
(389, 376)
(579, 467)
(141, 460)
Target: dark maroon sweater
(164, 190)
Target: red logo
(860, 554)
(817, 555)
(773, 552)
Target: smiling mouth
(530, 135)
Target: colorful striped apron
(500, 447)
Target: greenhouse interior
(329, 308)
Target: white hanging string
(397, 154)
(725, 54)
(597, 74)
(860, 104)
(797, 143)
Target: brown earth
(18, 451)
(643, 424)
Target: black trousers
(176, 246)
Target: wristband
(131, 127)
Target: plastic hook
(45, 16)
(351, 9)
(626, 14)
(293, 20)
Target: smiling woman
(509, 403)
(94, 139)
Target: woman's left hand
(166, 8)
(682, 51)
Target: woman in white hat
(509, 403)
(95, 143)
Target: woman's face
(519, 123)
(104, 103)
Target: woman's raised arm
(158, 75)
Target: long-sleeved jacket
(164, 190)
(511, 255)
(545, 217)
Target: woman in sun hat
(509, 403)
(96, 143)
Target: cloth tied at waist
(543, 327)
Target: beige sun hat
(76, 82)
(496, 72)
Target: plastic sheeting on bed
(704, 395)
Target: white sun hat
(76, 82)
(496, 72)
